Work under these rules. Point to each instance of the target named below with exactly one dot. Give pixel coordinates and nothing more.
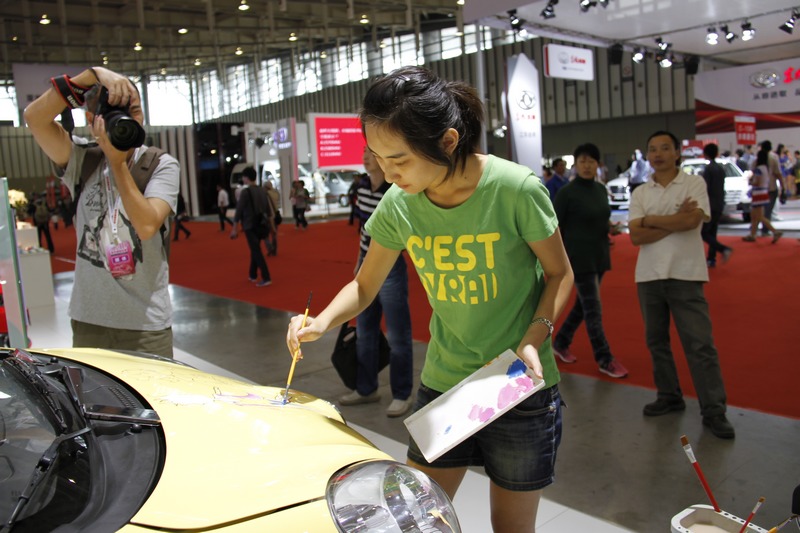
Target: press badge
(120, 259)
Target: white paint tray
(710, 520)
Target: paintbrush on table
(296, 352)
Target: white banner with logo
(568, 62)
(524, 112)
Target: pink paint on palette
(513, 391)
(481, 414)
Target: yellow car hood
(233, 450)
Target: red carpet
(751, 301)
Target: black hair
(675, 142)
(418, 105)
(766, 145)
(249, 173)
(587, 149)
(711, 151)
(762, 157)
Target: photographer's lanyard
(112, 204)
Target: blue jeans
(685, 301)
(391, 301)
(587, 309)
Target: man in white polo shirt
(665, 219)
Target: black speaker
(692, 63)
(615, 54)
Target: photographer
(119, 298)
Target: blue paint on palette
(516, 369)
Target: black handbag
(345, 358)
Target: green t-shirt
(482, 280)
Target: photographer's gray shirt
(141, 303)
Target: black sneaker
(662, 407)
(719, 426)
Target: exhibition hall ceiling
(638, 23)
(174, 34)
(177, 35)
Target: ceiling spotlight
(323, 55)
(197, 62)
(638, 55)
(105, 60)
(364, 19)
(163, 70)
(238, 51)
(662, 44)
(586, 4)
(549, 12)
(788, 26)
(747, 31)
(664, 60)
(44, 20)
(138, 47)
(293, 36)
(243, 6)
(459, 2)
(513, 18)
(604, 3)
(183, 31)
(729, 35)
(712, 37)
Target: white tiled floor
(50, 328)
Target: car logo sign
(526, 101)
(764, 79)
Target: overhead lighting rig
(788, 26)
(747, 31)
(730, 36)
(549, 11)
(587, 4)
(712, 37)
(638, 55)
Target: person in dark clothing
(584, 219)
(252, 203)
(180, 217)
(41, 218)
(222, 207)
(714, 175)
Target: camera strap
(70, 92)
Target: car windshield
(730, 169)
(28, 431)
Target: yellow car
(99, 441)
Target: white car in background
(737, 186)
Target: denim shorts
(518, 450)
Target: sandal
(749, 238)
(776, 235)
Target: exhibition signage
(524, 112)
(768, 93)
(745, 129)
(568, 62)
(338, 141)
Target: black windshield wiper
(40, 473)
(73, 379)
(22, 365)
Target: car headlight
(389, 497)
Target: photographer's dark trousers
(180, 227)
(709, 234)
(257, 261)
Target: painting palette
(474, 403)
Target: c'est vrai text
(457, 269)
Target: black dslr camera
(123, 131)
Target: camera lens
(123, 131)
